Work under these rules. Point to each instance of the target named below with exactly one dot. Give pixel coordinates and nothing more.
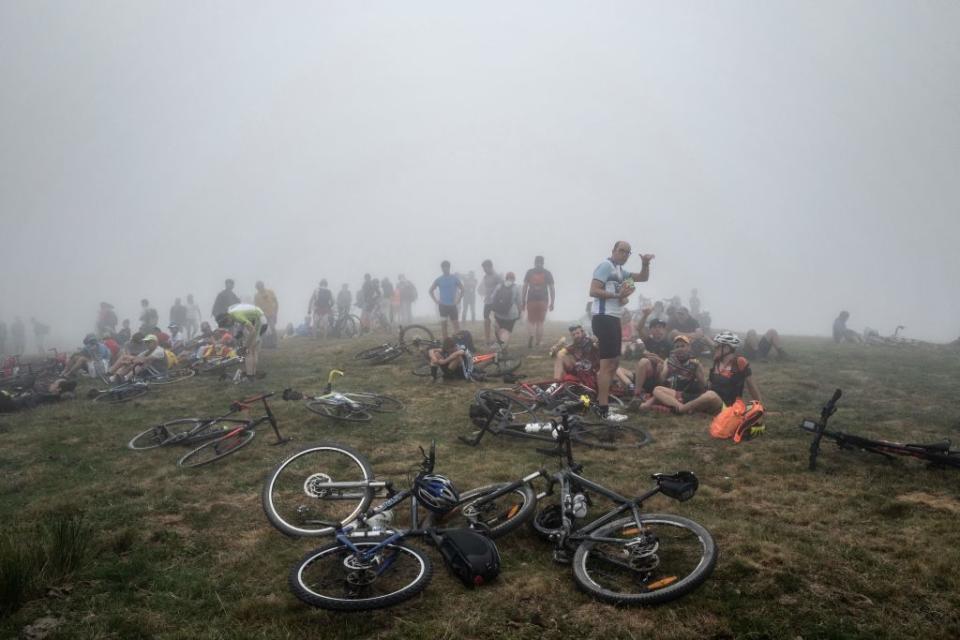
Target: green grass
(863, 547)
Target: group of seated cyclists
(151, 352)
(668, 374)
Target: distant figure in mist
(225, 299)
(408, 295)
(194, 315)
(3, 338)
(469, 296)
(18, 337)
(446, 291)
(178, 313)
(694, 304)
(123, 336)
(387, 289)
(106, 320)
(537, 297)
(344, 299)
(757, 347)
(320, 307)
(149, 318)
(40, 333)
(266, 299)
(840, 331)
(491, 279)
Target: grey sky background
(788, 159)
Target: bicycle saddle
(679, 486)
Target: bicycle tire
(121, 394)
(499, 367)
(372, 352)
(684, 547)
(375, 401)
(173, 376)
(495, 518)
(412, 332)
(513, 409)
(216, 449)
(388, 355)
(339, 411)
(295, 500)
(611, 436)
(325, 579)
(161, 434)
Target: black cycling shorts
(449, 311)
(505, 324)
(607, 330)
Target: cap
(682, 338)
(150, 338)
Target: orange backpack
(740, 421)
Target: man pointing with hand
(610, 289)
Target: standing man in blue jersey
(451, 290)
(610, 289)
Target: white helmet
(728, 338)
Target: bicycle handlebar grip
(836, 396)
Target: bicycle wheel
(499, 366)
(161, 434)
(510, 408)
(413, 333)
(372, 352)
(611, 436)
(174, 375)
(494, 517)
(664, 559)
(338, 578)
(297, 500)
(375, 401)
(339, 411)
(120, 394)
(219, 448)
(387, 355)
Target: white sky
(789, 159)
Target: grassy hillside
(135, 547)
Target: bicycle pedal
(561, 556)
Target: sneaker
(614, 417)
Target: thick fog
(787, 159)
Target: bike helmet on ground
(728, 338)
(437, 493)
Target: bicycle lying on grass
(483, 365)
(499, 413)
(938, 454)
(351, 406)
(328, 488)
(624, 556)
(413, 338)
(222, 435)
(127, 390)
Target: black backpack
(502, 300)
(472, 557)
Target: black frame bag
(471, 556)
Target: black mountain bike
(624, 556)
(499, 413)
(327, 489)
(938, 454)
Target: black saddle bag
(471, 556)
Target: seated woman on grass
(729, 375)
